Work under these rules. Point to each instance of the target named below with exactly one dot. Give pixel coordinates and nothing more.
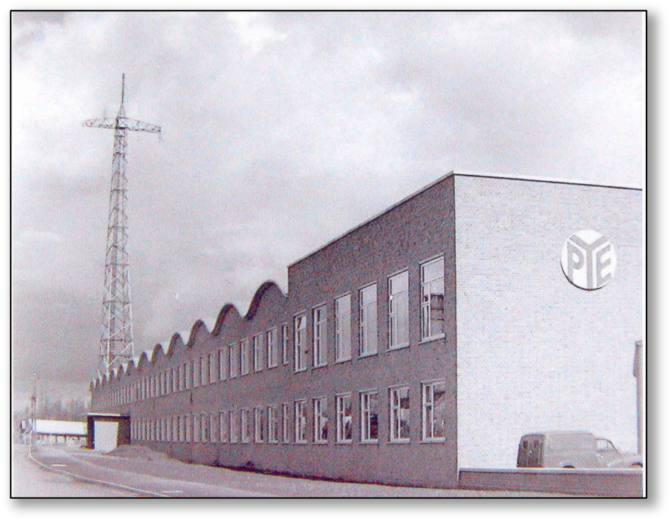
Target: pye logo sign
(588, 260)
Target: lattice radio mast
(116, 342)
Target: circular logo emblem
(588, 260)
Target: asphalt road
(141, 472)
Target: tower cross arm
(122, 123)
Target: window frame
(273, 424)
(259, 423)
(395, 418)
(342, 355)
(272, 347)
(365, 323)
(300, 421)
(427, 408)
(396, 315)
(340, 418)
(299, 344)
(425, 310)
(257, 352)
(320, 419)
(320, 336)
(366, 416)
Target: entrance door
(105, 435)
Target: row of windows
(272, 423)
(270, 349)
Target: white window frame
(398, 309)
(258, 352)
(232, 426)
(368, 323)
(273, 424)
(258, 425)
(395, 419)
(343, 328)
(285, 339)
(427, 334)
(320, 336)
(233, 360)
(245, 361)
(187, 371)
(196, 373)
(224, 428)
(286, 423)
(213, 368)
(246, 433)
(320, 419)
(300, 343)
(366, 416)
(272, 344)
(223, 365)
(428, 411)
(341, 401)
(300, 421)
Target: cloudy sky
(280, 131)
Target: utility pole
(33, 410)
(116, 342)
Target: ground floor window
(223, 426)
(259, 426)
(301, 422)
(246, 425)
(344, 418)
(232, 426)
(286, 423)
(320, 420)
(369, 416)
(273, 424)
(399, 414)
(434, 410)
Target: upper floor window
(187, 375)
(204, 370)
(368, 320)
(245, 365)
(196, 373)
(398, 311)
(272, 348)
(284, 343)
(320, 343)
(222, 364)
(213, 368)
(300, 343)
(343, 328)
(432, 299)
(258, 352)
(233, 359)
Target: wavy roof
(212, 326)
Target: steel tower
(116, 341)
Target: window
(187, 371)
(204, 370)
(398, 311)
(213, 369)
(175, 428)
(182, 428)
(212, 427)
(284, 344)
(175, 380)
(301, 422)
(286, 423)
(223, 427)
(182, 378)
(399, 407)
(343, 418)
(244, 357)
(273, 348)
(432, 299)
(368, 320)
(320, 420)
(246, 425)
(434, 411)
(233, 357)
(320, 343)
(259, 426)
(196, 373)
(222, 364)
(196, 428)
(232, 426)
(343, 328)
(258, 352)
(204, 428)
(369, 417)
(273, 424)
(300, 343)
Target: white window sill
(300, 370)
(369, 354)
(436, 440)
(321, 443)
(399, 441)
(399, 347)
(344, 443)
(432, 338)
(320, 366)
(342, 360)
(371, 441)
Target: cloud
(280, 132)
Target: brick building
(425, 340)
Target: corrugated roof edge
(463, 173)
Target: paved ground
(142, 472)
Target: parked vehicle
(572, 449)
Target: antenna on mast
(116, 342)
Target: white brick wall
(534, 352)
